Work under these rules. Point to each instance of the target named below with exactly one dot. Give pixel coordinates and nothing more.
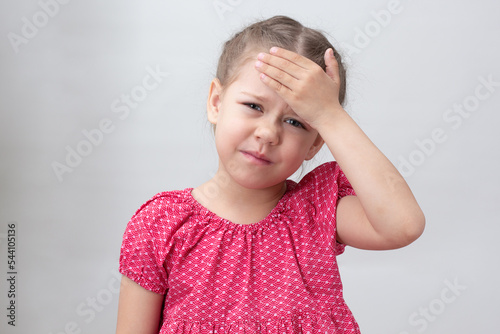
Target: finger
(280, 64)
(281, 89)
(332, 67)
(291, 56)
(275, 73)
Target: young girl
(251, 251)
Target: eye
(253, 106)
(295, 123)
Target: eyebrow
(258, 97)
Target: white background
(407, 71)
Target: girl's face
(259, 139)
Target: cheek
(299, 144)
(235, 126)
(230, 132)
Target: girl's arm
(384, 214)
(139, 310)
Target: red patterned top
(278, 275)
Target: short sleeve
(327, 184)
(145, 245)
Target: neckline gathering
(270, 218)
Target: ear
(315, 147)
(214, 100)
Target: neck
(230, 200)
(233, 192)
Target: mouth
(257, 158)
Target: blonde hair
(281, 31)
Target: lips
(257, 157)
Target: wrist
(331, 120)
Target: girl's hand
(302, 83)
(384, 214)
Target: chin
(258, 183)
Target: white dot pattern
(279, 275)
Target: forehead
(248, 85)
(244, 62)
(248, 79)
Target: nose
(268, 131)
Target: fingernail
(258, 63)
(274, 49)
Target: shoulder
(315, 199)
(325, 175)
(325, 170)
(152, 233)
(174, 201)
(164, 211)
(321, 188)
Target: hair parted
(281, 31)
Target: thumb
(332, 67)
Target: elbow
(403, 231)
(412, 228)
